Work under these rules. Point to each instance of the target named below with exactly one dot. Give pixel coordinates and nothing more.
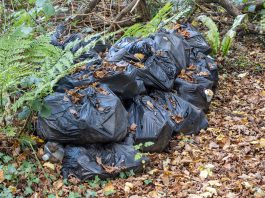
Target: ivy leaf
(7, 158)
(147, 144)
(28, 191)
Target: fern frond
(212, 35)
(230, 35)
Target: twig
(3, 4)
(122, 13)
(226, 4)
(25, 125)
(40, 165)
(258, 3)
(136, 4)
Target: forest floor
(226, 160)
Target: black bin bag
(157, 69)
(159, 72)
(127, 48)
(152, 123)
(206, 64)
(198, 93)
(185, 117)
(102, 160)
(177, 48)
(194, 38)
(91, 115)
(122, 78)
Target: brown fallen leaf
(102, 91)
(139, 65)
(185, 33)
(75, 97)
(58, 184)
(2, 176)
(177, 119)
(133, 127)
(108, 169)
(183, 75)
(192, 67)
(177, 26)
(165, 178)
(99, 74)
(108, 187)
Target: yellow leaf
(150, 104)
(262, 142)
(220, 137)
(239, 113)
(13, 189)
(139, 56)
(37, 139)
(49, 165)
(262, 93)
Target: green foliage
(91, 193)
(230, 35)
(22, 60)
(109, 192)
(29, 16)
(74, 195)
(213, 37)
(13, 175)
(30, 67)
(140, 147)
(148, 181)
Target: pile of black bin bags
(138, 90)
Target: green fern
(52, 69)
(212, 35)
(230, 35)
(12, 62)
